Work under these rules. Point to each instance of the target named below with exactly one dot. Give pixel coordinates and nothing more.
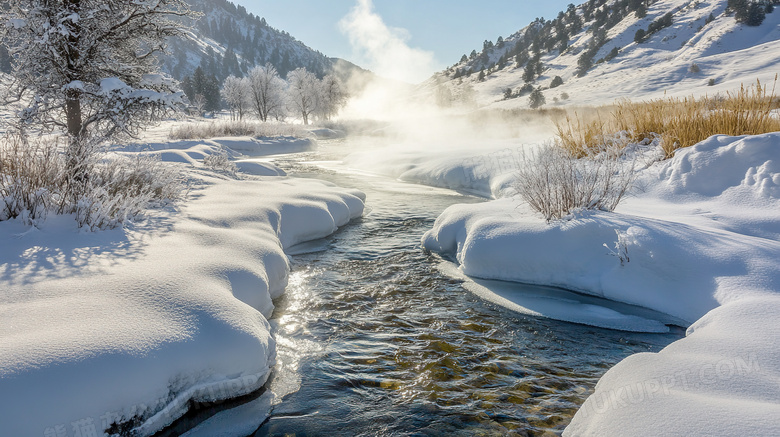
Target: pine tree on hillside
(639, 36)
(747, 12)
(584, 62)
(5, 60)
(529, 73)
(536, 99)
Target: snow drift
(703, 233)
(719, 380)
(130, 325)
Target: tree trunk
(73, 96)
(78, 155)
(73, 114)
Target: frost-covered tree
(304, 93)
(88, 67)
(80, 60)
(236, 91)
(266, 91)
(333, 96)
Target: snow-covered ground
(132, 324)
(698, 240)
(722, 379)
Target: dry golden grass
(225, 128)
(678, 122)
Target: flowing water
(375, 340)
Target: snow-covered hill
(229, 40)
(704, 51)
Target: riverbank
(698, 240)
(122, 329)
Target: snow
(240, 421)
(699, 242)
(242, 149)
(719, 380)
(137, 322)
(113, 84)
(703, 233)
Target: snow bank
(728, 183)
(719, 380)
(259, 167)
(677, 259)
(193, 151)
(131, 325)
(699, 241)
(326, 134)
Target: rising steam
(384, 49)
(414, 117)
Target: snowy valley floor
(128, 326)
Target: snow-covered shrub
(220, 162)
(32, 174)
(620, 249)
(36, 180)
(122, 188)
(556, 183)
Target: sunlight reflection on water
(375, 340)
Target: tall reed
(677, 122)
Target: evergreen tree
(612, 54)
(536, 100)
(755, 15)
(529, 73)
(211, 94)
(584, 62)
(521, 58)
(639, 36)
(186, 87)
(5, 60)
(641, 11)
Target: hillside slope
(228, 40)
(704, 51)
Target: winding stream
(375, 340)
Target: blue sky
(447, 28)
